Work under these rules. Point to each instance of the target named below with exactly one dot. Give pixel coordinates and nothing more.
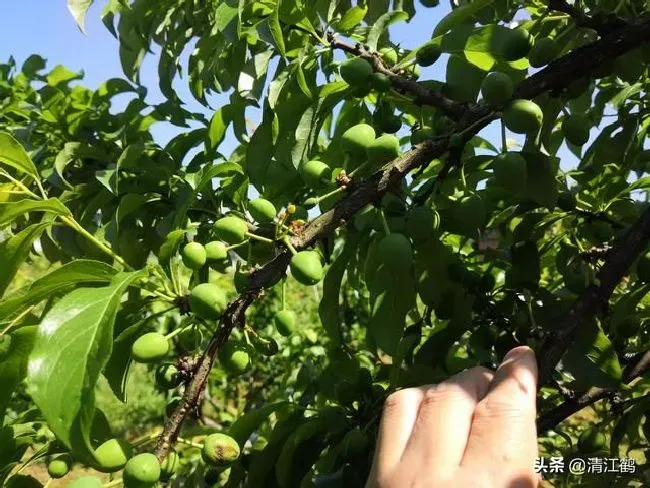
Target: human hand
(475, 429)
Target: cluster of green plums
(208, 301)
(144, 470)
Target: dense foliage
(369, 233)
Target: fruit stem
(235, 246)
(283, 292)
(189, 443)
(333, 192)
(247, 330)
(146, 438)
(358, 168)
(540, 18)
(504, 142)
(287, 242)
(259, 238)
(463, 181)
(175, 332)
(384, 222)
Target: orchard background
(339, 213)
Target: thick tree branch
(618, 261)
(601, 25)
(553, 417)
(473, 118)
(423, 95)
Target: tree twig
(618, 261)
(601, 25)
(553, 417)
(423, 95)
(473, 118)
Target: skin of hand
(475, 429)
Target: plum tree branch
(472, 119)
(423, 95)
(553, 417)
(618, 261)
(602, 26)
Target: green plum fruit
(112, 455)
(194, 255)
(306, 268)
(262, 210)
(523, 117)
(231, 229)
(517, 44)
(220, 450)
(285, 322)
(355, 71)
(142, 470)
(428, 54)
(383, 149)
(576, 129)
(150, 347)
(208, 301)
(315, 173)
(216, 251)
(497, 88)
(543, 52)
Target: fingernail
(517, 353)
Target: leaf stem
(71, 222)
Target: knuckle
(514, 406)
(442, 393)
(397, 399)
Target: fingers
(503, 436)
(397, 420)
(442, 426)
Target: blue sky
(46, 28)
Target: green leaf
(628, 425)
(14, 251)
(459, 15)
(13, 154)
(61, 279)
(245, 425)
(170, 246)
(218, 127)
(351, 19)
(72, 151)
(382, 24)
(60, 75)
(276, 29)
(329, 309)
(13, 368)
(11, 210)
(78, 9)
(300, 451)
(392, 296)
(117, 367)
(263, 462)
(592, 359)
(73, 344)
